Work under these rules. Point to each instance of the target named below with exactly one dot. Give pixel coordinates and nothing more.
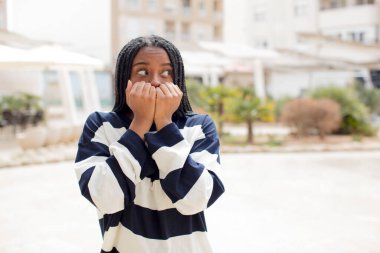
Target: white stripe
(105, 190)
(171, 158)
(128, 163)
(107, 134)
(125, 241)
(151, 195)
(210, 161)
(197, 198)
(82, 166)
(192, 134)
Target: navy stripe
(168, 136)
(154, 224)
(140, 152)
(135, 145)
(126, 185)
(217, 189)
(113, 118)
(114, 250)
(179, 182)
(194, 120)
(83, 184)
(86, 150)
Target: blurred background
(284, 80)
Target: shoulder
(97, 118)
(202, 120)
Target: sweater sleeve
(189, 167)
(108, 168)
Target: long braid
(124, 67)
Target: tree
(216, 98)
(248, 108)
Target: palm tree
(215, 98)
(248, 108)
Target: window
(133, 4)
(131, 28)
(152, 5)
(357, 36)
(261, 43)
(363, 2)
(202, 8)
(170, 29)
(217, 32)
(186, 7)
(76, 89)
(217, 6)
(170, 5)
(151, 26)
(103, 82)
(185, 31)
(51, 89)
(259, 15)
(337, 4)
(301, 8)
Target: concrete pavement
(288, 202)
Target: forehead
(149, 54)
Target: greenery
(248, 108)
(216, 98)
(20, 109)
(369, 96)
(354, 114)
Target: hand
(168, 100)
(141, 98)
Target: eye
(166, 73)
(142, 72)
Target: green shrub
(369, 96)
(354, 114)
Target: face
(152, 65)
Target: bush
(279, 107)
(20, 109)
(310, 116)
(369, 96)
(354, 114)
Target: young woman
(150, 166)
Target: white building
(286, 26)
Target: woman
(150, 166)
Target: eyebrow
(147, 63)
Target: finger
(171, 89)
(159, 92)
(152, 91)
(138, 87)
(178, 90)
(129, 87)
(165, 90)
(146, 88)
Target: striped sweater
(150, 195)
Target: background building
(183, 22)
(3, 14)
(322, 42)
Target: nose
(156, 82)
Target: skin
(150, 93)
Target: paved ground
(288, 203)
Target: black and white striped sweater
(150, 195)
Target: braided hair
(124, 67)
